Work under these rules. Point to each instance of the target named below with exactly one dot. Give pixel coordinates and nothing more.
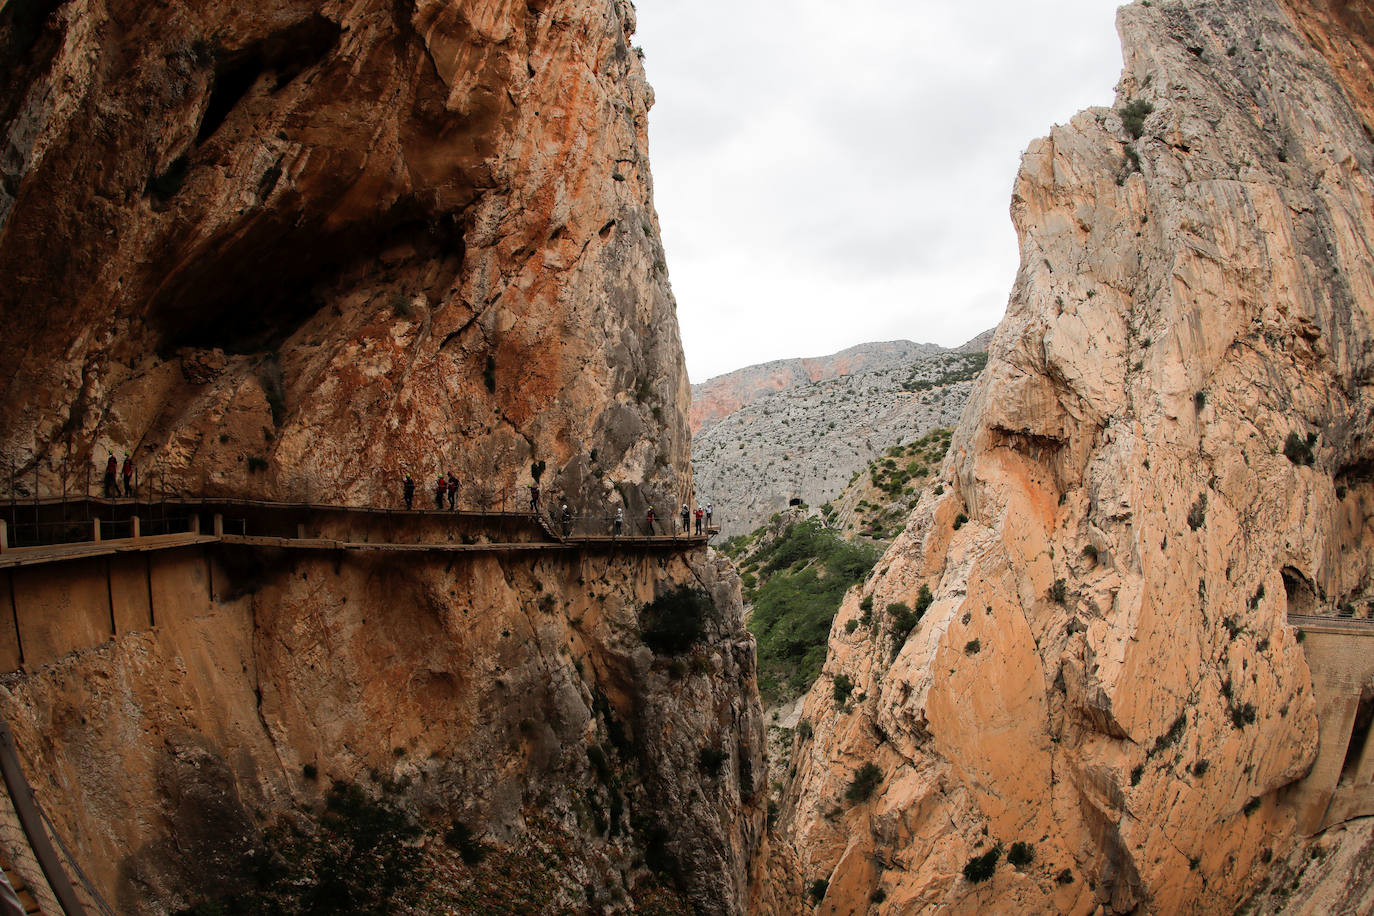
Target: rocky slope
(808, 440)
(1099, 701)
(716, 398)
(295, 251)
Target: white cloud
(829, 174)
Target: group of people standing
(113, 473)
(445, 488)
(700, 515)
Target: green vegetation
(1172, 736)
(1020, 854)
(980, 868)
(897, 475)
(1299, 450)
(866, 779)
(842, 687)
(904, 619)
(363, 858)
(961, 368)
(1133, 116)
(675, 620)
(804, 574)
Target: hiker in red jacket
(128, 475)
(440, 486)
(111, 468)
(650, 519)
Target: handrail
(31, 819)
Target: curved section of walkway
(1340, 785)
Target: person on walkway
(565, 517)
(440, 487)
(650, 519)
(409, 489)
(708, 516)
(699, 514)
(128, 472)
(111, 467)
(686, 516)
(534, 498)
(452, 488)
(619, 521)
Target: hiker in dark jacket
(440, 486)
(452, 488)
(408, 488)
(128, 472)
(111, 468)
(650, 519)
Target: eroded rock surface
(420, 236)
(294, 250)
(1167, 453)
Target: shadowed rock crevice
(284, 55)
(251, 291)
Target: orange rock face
(295, 250)
(1102, 704)
(415, 237)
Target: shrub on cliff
(675, 620)
(361, 857)
(1299, 450)
(1133, 116)
(866, 779)
(980, 868)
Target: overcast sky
(833, 173)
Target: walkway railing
(100, 526)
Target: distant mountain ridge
(803, 439)
(722, 395)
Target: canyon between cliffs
(294, 252)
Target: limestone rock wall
(295, 250)
(483, 687)
(349, 240)
(1103, 672)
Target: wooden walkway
(213, 521)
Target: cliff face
(349, 239)
(1102, 671)
(511, 695)
(346, 241)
